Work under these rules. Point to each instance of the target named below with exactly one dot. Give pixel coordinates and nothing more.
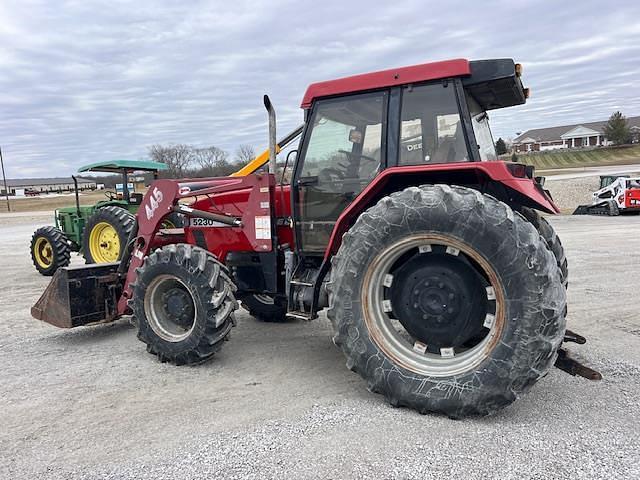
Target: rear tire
(183, 303)
(547, 232)
(106, 233)
(266, 308)
(50, 250)
(524, 321)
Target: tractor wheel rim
(170, 308)
(104, 243)
(388, 332)
(43, 252)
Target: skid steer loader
(617, 194)
(444, 285)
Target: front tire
(477, 317)
(183, 303)
(50, 250)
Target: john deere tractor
(96, 231)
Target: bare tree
(213, 161)
(178, 158)
(244, 154)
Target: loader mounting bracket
(570, 365)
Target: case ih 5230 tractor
(445, 287)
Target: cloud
(84, 81)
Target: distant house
(44, 185)
(569, 136)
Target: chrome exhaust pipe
(272, 135)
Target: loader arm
(100, 293)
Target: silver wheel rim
(383, 331)
(158, 317)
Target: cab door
(343, 150)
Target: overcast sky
(84, 81)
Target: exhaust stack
(272, 135)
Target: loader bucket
(80, 296)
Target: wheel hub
(439, 299)
(178, 306)
(170, 308)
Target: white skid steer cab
(617, 194)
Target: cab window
(481, 130)
(343, 154)
(431, 129)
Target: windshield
(481, 130)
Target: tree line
(184, 160)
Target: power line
(4, 178)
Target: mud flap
(80, 295)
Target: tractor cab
(410, 117)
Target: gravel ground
(278, 402)
(568, 194)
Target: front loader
(444, 285)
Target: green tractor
(97, 231)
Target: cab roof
(116, 166)
(387, 78)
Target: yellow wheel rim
(104, 243)
(43, 252)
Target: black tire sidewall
(59, 245)
(199, 289)
(274, 313)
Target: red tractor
(444, 285)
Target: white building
(569, 136)
(46, 185)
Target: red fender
(451, 173)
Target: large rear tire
(445, 300)
(547, 232)
(106, 233)
(183, 303)
(50, 250)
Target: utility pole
(6, 190)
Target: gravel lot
(278, 402)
